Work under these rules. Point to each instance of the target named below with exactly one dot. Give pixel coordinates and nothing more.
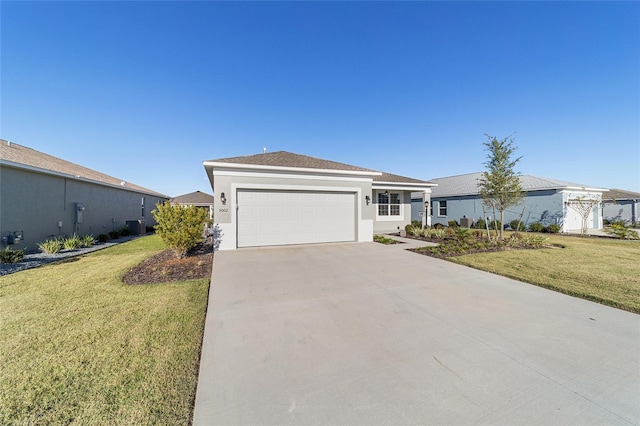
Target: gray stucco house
(618, 204)
(545, 200)
(42, 196)
(282, 198)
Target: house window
(388, 204)
(442, 208)
(142, 206)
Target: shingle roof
(194, 198)
(15, 153)
(621, 194)
(468, 184)
(289, 159)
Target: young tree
(584, 205)
(500, 185)
(180, 227)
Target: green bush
(114, 234)
(495, 224)
(125, 232)
(463, 234)
(480, 224)
(452, 224)
(51, 246)
(103, 238)
(410, 230)
(180, 227)
(9, 255)
(553, 228)
(621, 231)
(87, 241)
(517, 225)
(536, 227)
(416, 223)
(73, 242)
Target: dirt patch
(167, 267)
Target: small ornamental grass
(9, 255)
(51, 246)
(73, 242)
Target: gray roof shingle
(620, 194)
(193, 198)
(15, 153)
(289, 159)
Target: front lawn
(78, 345)
(598, 269)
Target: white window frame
(390, 217)
(440, 208)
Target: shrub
(411, 230)
(73, 242)
(149, 229)
(9, 255)
(51, 246)
(180, 227)
(416, 223)
(463, 234)
(480, 224)
(495, 224)
(535, 241)
(87, 241)
(553, 228)
(114, 234)
(103, 238)
(453, 224)
(517, 225)
(536, 227)
(125, 232)
(621, 231)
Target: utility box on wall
(79, 212)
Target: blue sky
(146, 91)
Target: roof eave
(210, 165)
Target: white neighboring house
(283, 198)
(619, 204)
(42, 196)
(546, 200)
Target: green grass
(603, 270)
(78, 346)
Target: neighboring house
(618, 204)
(42, 196)
(545, 200)
(198, 199)
(283, 198)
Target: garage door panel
(289, 217)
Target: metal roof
(467, 184)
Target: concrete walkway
(371, 334)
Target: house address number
(223, 210)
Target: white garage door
(269, 218)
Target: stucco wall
(626, 210)
(382, 224)
(36, 203)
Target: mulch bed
(167, 267)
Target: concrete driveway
(372, 334)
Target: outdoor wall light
(223, 198)
(426, 204)
(386, 193)
(367, 199)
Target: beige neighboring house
(198, 199)
(42, 196)
(283, 198)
